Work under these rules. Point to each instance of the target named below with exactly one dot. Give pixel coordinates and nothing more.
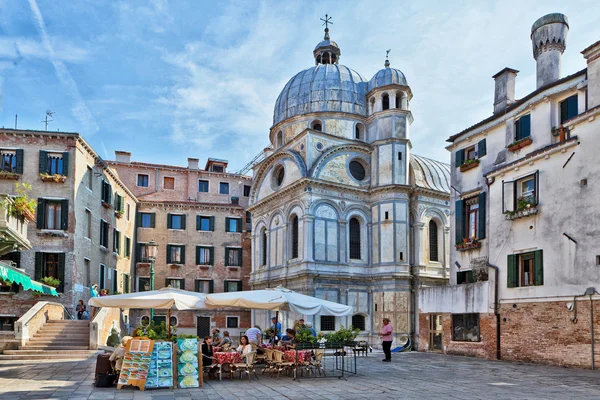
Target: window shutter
(64, 217)
(470, 276)
(198, 222)
(138, 219)
(138, 252)
(167, 282)
(211, 286)
(182, 255)
(152, 220)
(240, 258)
(183, 221)
(65, 170)
(168, 254)
(536, 195)
(226, 256)
(61, 272)
(508, 196)
(39, 260)
(512, 271)
(41, 213)
(182, 284)
(538, 263)
(460, 157)
(197, 256)
(572, 108)
(43, 162)
(564, 111)
(459, 221)
(197, 285)
(169, 223)
(239, 225)
(121, 203)
(212, 255)
(525, 126)
(227, 224)
(481, 149)
(225, 287)
(481, 224)
(109, 194)
(19, 169)
(212, 224)
(239, 286)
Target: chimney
(504, 92)
(193, 163)
(592, 56)
(549, 40)
(122, 156)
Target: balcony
(13, 231)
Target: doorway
(435, 332)
(203, 326)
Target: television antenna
(49, 114)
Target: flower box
(175, 265)
(475, 244)
(28, 214)
(53, 178)
(106, 205)
(519, 144)
(469, 164)
(118, 214)
(9, 175)
(520, 213)
(143, 264)
(561, 132)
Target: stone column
(446, 252)
(343, 251)
(308, 234)
(419, 243)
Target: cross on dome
(327, 51)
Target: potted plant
(469, 164)
(472, 243)
(518, 144)
(22, 206)
(52, 177)
(119, 214)
(50, 281)
(9, 175)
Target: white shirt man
(253, 335)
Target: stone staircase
(56, 340)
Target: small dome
(326, 43)
(322, 88)
(387, 76)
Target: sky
(167, 80)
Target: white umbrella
(278, 299)
(165, 298)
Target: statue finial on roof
(326, 22)
(387, 60)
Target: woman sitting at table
(273, 338)
(245, 347)
(226, 342)
(291, 343)
(207, 354)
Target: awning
(11, 275)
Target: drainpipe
(496, 310)
(588, 292)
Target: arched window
(294, 238)
(433, 241)
(359, 132)
(386, 102)
(372, 105)
(358, 322)
(398, 100)
(355, 239)
(263, 247)
(316, 125)
(279, 142)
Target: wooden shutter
(152, 220)
(65, 158)
(197, 285)
(168, 254)
(212, 224)
(138, 219)
(39, 260)
(460, 157)
(512, 270)
(197, 255)
(167, 283)
(459, 222)
(198, 222)
(470, 276)
(240, 257)
(109, 193)
(61, 272)
(211, 286)
(536, 195)
(121, 203)
(481, 222)
(538, 263)
(182, 255)
(64, 215)
(19, 169)
(226, 256)
(183, 221)
(239, 286)
(481, 149)
(564, 111)
(41, 213)
(169, 221)
(212, 255)
(138, 252)
(227, 224)
(43, 162)
(239, 225)
(525, 126)
(182, 284)
(225, 286)
(509, 196)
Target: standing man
(386, 337)
(254, 336)
(276, 326)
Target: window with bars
(295, 236)
(355, 251)
(327, 323)
(358, 322)
(433, 241)
(263, 255)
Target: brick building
(197, 217)
(525, 265)
(84, 226)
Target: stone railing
(35, 318)
(101, 325)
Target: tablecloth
(303, 355)
(228, 358)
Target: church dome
(387, 76)
(322, 88)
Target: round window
(357, 170)
(319, 146)
(278, 176)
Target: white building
(341, 208)
(526, 207)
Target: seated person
(311, 329)
(273, 338)
(216, 337)
(117, 356)
(291, 342)
(226, 342)
(207, 353)
(244, 347)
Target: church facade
(341, 208)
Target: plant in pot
(50, 281)
(305, 338)
(22, 206)
(342, 336)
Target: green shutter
(525, 126)
(460, 157)
(196, 285)
(239, 225)
(65, 157)
(43, 162)
(138, 219)
(481, 149)
(152, 220)
(212, 224)
(182, 284)
(166, 282)
(239, 286)
(225, 287)
(240, 258)
(138, 252)
(168, 254)
(61, 272)
(459, 223)
(211, 286)
(564, 111)
(481, 222)
(198, 222)
(183, 221)
(538, 262)
(512, 271)
(227, 224)
(169, 222)
(182, 254)
(39, 260)
(19, 169)
(64, 217)
(197, 255)
(121, 203)
(41, 213)
(470, 276)
(226, 256)
(212, 256)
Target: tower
(549, 40)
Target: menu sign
(136, 363)
(160, 373)
(187, 366)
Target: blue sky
(168, 80)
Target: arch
(279, 139)
(295, 207)
(372, 105)
(433, 241)
(269, 163)
(316, 125)
(357, 150)
(398, 99)
(294, 236)
(317, 204)
(355, 242)
(359, 131)
(359, 321)
(272, 221)
(385, 101)
(432, 212)
(263, 247)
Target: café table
(226, 358)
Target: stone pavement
(408, 376)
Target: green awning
(11, 275)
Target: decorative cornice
(190, 206)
